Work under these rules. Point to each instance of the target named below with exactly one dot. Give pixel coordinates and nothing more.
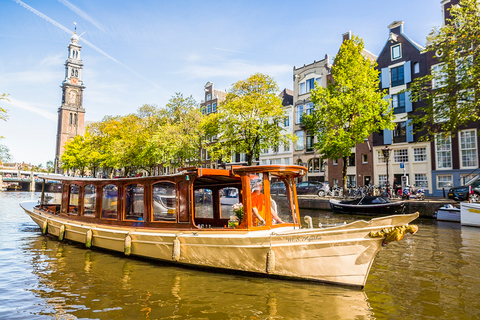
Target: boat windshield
(281, 198)
(52, 196)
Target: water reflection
(84, 283)
(432, 275)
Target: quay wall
(426, 208)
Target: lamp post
(386, 154)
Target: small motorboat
(470, 214)
(368, 205)
(448, 213)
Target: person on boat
(258, 205)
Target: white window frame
(382, 180)
(380, 157)
(392, 48)
(424, 182)
(446, 152)
(298, 114)
(437, 70)
(300, 143)
(400, 156)
(420, 154)
(449, 183)
(461, 148)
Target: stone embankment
(426, 208)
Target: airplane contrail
(81, 13)
(91, 45)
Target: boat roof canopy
(285, 170)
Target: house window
(398, 103)
(335, 182)
(421, 180)
(468, 148)
(444, 151)
(310, 143)
(287, 160)
(351, 182)
(335, 162)
(382, 180)
(302, 88)
(264, 162)
(299, 143)
(444, 181)
(351, 160)
(396, 52)
(364, 158)
(309, 108)
(286, 121)
(243, 157)
(286, 146)
(462, 65)
(310, 84)
(209, 109)
(397, 75)
(214, 107)
(203, 110)
(400, 132)
(381, 158)
(419, 154)
(439, 76)
(314, 165)
(209, 97)
(299, 114)
(319, 81)
(416, 67)
(400, 156)
(465, 178)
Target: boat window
(73, 199)
(258, 200)
(134, 202)
(228, 198)
(164, 201)
(281, 201)
(203, 203)
(109, 201)
(89, 200)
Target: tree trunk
(344, 173)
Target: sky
(143, 52)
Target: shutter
(385, 78)
(387, 98)
(409, 130)
(387, 136)
(407, 71)
(408, 103)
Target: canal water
(434, 274)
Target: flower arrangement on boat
(238, 210)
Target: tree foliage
(351, 107)
(169, 137)
(451, 94)
(248, 121)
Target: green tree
(50, 166)
(3, 112)
(5, 155)
(76, 154)
(451, 94)
(350, 108)
(248, 121)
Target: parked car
(278, 188)
(313, 187)
(462, 193)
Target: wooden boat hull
(340, 255)
(371, 209)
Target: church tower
(71, 113)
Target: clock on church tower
(71, 113)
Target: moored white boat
(197, 234)
(470, 214)
(448, 213)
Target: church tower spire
(71, 113)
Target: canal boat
(368, 205)
(470, 214)
(448, 213)
(182, 218)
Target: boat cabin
(194, 198)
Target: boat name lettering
(304, 239)
(474, 210)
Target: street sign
(402, 165)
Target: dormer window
(209, 97)
(396, 51)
